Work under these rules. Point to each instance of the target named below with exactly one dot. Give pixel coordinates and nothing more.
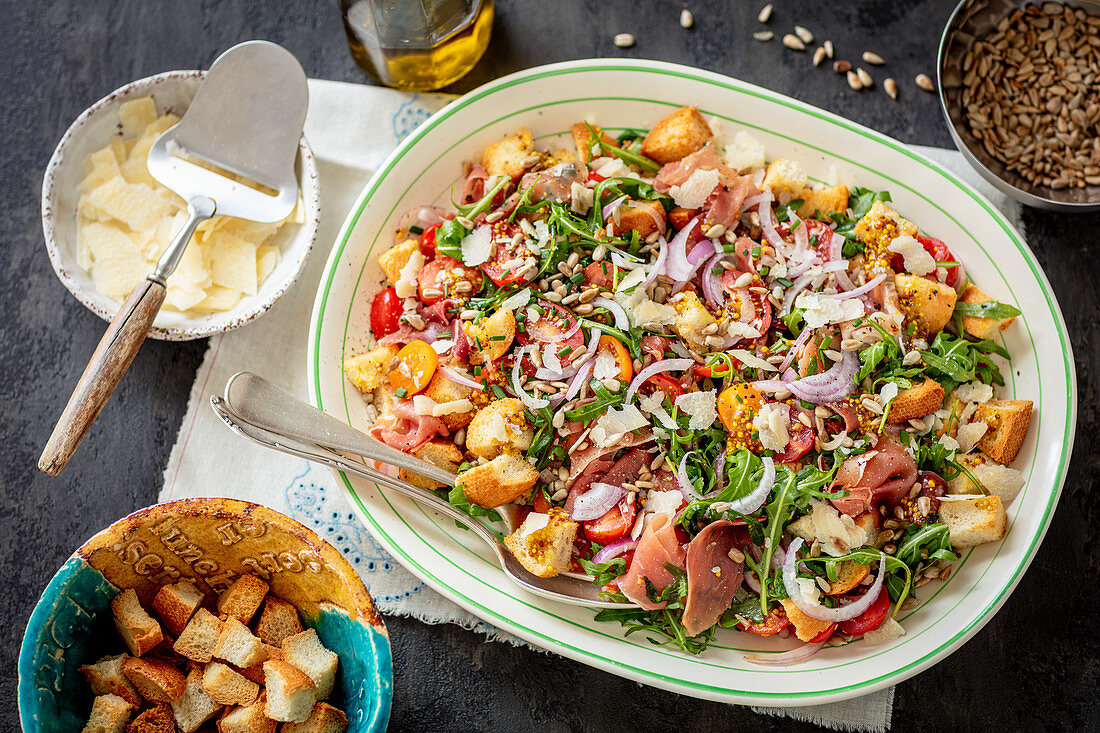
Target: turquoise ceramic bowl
(210, 542)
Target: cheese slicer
(233, 153)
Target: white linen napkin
(352, 128)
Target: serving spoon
(280, 407)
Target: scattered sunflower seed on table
(765, 13)
(624, 40)
(793, 42)
(687, 20)
(763, 36)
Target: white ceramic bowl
(637, 94)
(172, 91)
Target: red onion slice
(868, 287)
(836, 245)
(816, 610)
(764, 210)
(535, 403)
(794, 349)
(699, 253)
(829, 386)
(658, 267)
(664, 365)
(455, 376)
(596, 502)
(785, 659)
(755, 500)
(678, 267)
(686, 488)
(712, 286)
(610, 208)
(792, 292)
(621, 321)
(754, 201)
(615, 549)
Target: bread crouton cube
(498, 482)
(823, 201)
(226, 686)
(195, 706)
(583, 138)
(110, 714)
(368, 371)
(156, 679)
(848, 575)
(306, 652)
(442, 453)
(105, 677)
(237, 645)
(138, 629)
(176, 603)
(278, 620)
(544, 542)
(806, 627)
(641, 217)
(982, 328)
(242, 599)
(508, 157)
(256, 671)
(878, 228)
(786, 178)
(1008, 421)
(692, 318)
(324, 718)
(680, 217)
(248, 719)
(394, 260)
(444, 390)
(499, 427)
(491, 337)
(926, 303)
(917, 401)
(154, 720)
(974, 521)
(199, 637)
(290, 692)
(676, 136)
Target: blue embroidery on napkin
(408, 117)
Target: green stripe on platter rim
(740, 87)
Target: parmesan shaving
(701, 407)
(477, 246)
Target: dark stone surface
(1033, 667)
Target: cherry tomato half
(427, 240)
(941, 253)
(554, 321)
(822, 231)
(498, 267)
(442, 272)
(664, 383)
(870, 619)
(775, 622)
(385, 313)
(602, 274)
(761, 306)
(823, 635)
(613, 525)
(801, 439)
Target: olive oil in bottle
(417, 44)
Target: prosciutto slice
(703, 159)
(658, 545)
(712, 575)
(406, 334)
(607, 471)
(406, 430)
(725, 205)
(880, 476)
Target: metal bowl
(975, 19)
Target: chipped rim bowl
(209, 542)
(173, 91)
(969, 20)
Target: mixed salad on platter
(730, 396)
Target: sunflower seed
(925, 83)
(793, 42)
(765, 13)
(864, 78)
(842, 66)
(819, 56)
(891, 87)
(873, 58)
(828, 46)
(687, 20)
(763, 36)
(624, 40)
(804, 34)
(853, 81)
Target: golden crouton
(442, 453)
(498, 482)
(982, 328)
(806, 627)
(676, 136)
(583, 138)
(393, 260)
(639, 216)
(156, 679)
(109, 714)
(105, 677)
(848, 575)
(508, 157)
(917, 401)
(443, 390)
(368, 371)
(824, 200)
(926, 303)
(324, 718)
(544, 542)
(1008, 421)
(974, 521)
(137, 628)
(491, 337)
(786, 177)
(499, 427)
(880, 226)
(692, 318)
(242, 599)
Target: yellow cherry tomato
(416, 363)
(622, 357)
(737, 405)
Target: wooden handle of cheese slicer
(117, 348)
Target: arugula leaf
(953, 360)
(482, 205)
(457, 497)
(936, 538)
(871, 357)
(988, 309)
(747, 608)
(604, 572)
(627, 156)
(896, 585)
(448, 238)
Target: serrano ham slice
(658, 545)
(883, 475)
(406, 430)
(712, 575)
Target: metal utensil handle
(286, 444)
(260, 402)
(116, 351)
